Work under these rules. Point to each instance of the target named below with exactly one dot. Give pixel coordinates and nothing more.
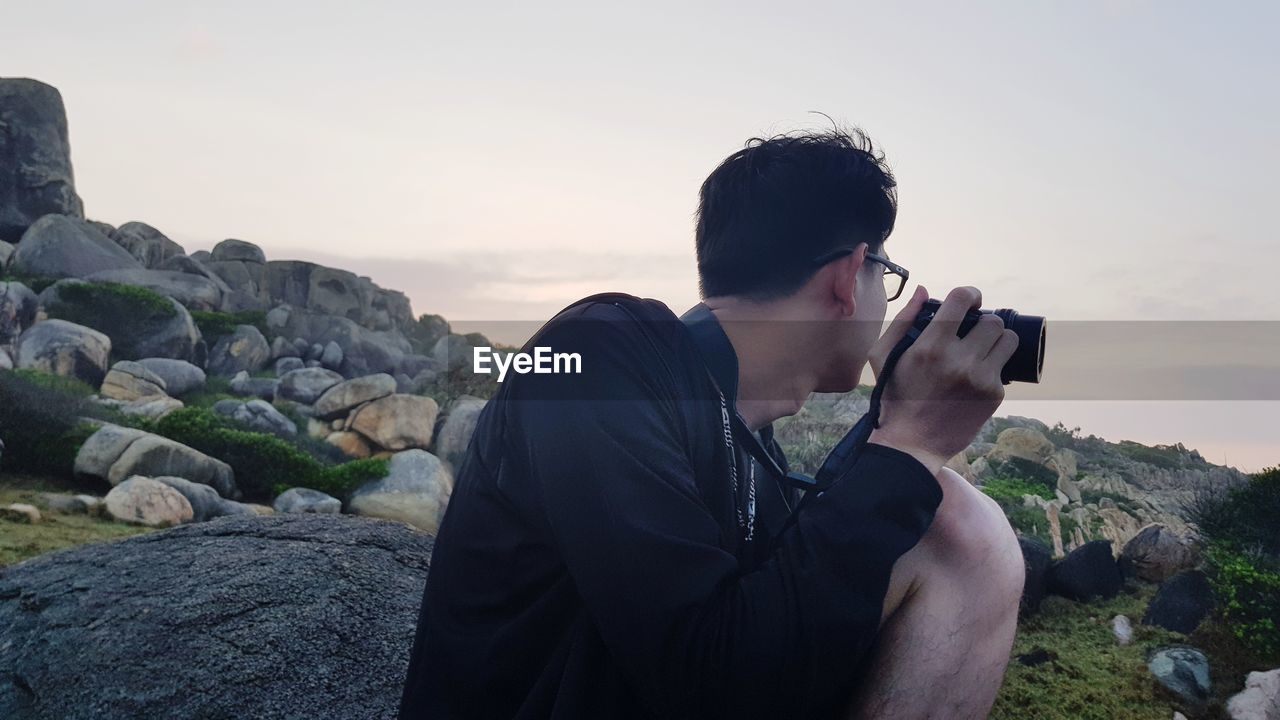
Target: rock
(453, 352)
(1181, 603)
(282, 348)
(1020, 442)
(114, 453)
(244, 349)
(146, 244)
(1068, 490)
(20, 512)
(128, 381)
(205, 502)
(412, 365)
(353, 445)
(306, 500)
(18, 306)
(288, 364)
(298, 607)
(314, 352)
(455, 433)
(1088, 571)
(263, 388)
(196, 292)
(416, 491)
(1155, 554)
(180, 377)
(364, 351)
(144, 501)
(65, 503)
(1036, 559)
(1260, 699)
(261, 416)
(58, 246)
(340, 399)
(6, 362)
(167, 331)
(35, 176)
(237, 250)
(66, 349)
(6, 254)
(1122, 629)
(152, 408)
(307, 384)
(331, 357)
(397, 422)
(1055, 528)
(1184, 671)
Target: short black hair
(773, 206)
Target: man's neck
(774, 379)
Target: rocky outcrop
(306, 385)
(115, 453)
(364, 351)
(344, 397)
(180, 377)
(66, 349)
(145, 330)
(416, 491)
(35, 157)
(287, 616)
(196, 292)
(128, 381)
(58, 246)
(146, 244)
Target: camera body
(1027, 361)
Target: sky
(1087, 161)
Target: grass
(56, 531)
(1089, 676)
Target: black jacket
(591, 563)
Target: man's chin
(841, 382)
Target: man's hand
(944, 387)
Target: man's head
(771, 211)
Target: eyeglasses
(895, 276)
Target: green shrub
(1021, 469)
(40, 422)
(1248, 588)
(1009, 491)
(36, 283)
(214, 325)
(125, 313)
(264, 464)
(1162, 456)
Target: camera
(1027, 361)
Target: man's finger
(947, 320)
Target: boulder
(6, 362)
(1036, 558)
(241, 617)
(455, 433)
(397, 422)
(18, 306)
(244, 349)
(152, 408)
(1122, 629)
(352, 444)
(20, 513)
(1260, 699)
(306, 385)
(415, 491)
(453, 352)
(1020, 442)
(59, 246)
(128, 381)
(65, 503)
(6, 254)
(258, 415)
(364, 351)
(342, 398)
(306, 500)
(1181, 603)
(237, 250)
(35, 176)
(282, 348)
(1086, 572)
(244, 385)
(144, 501)
(116, 453)
(146, 244)
(1156, 553)
(137, 328)
(331, 356)
(288, 364)
(66, 349)
(1184, 671)
(205, 502)
(180, 377)
(196, 292)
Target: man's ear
(845, 279)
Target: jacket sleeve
(610, 456)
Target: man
(612, 551)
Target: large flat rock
(284, 616)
